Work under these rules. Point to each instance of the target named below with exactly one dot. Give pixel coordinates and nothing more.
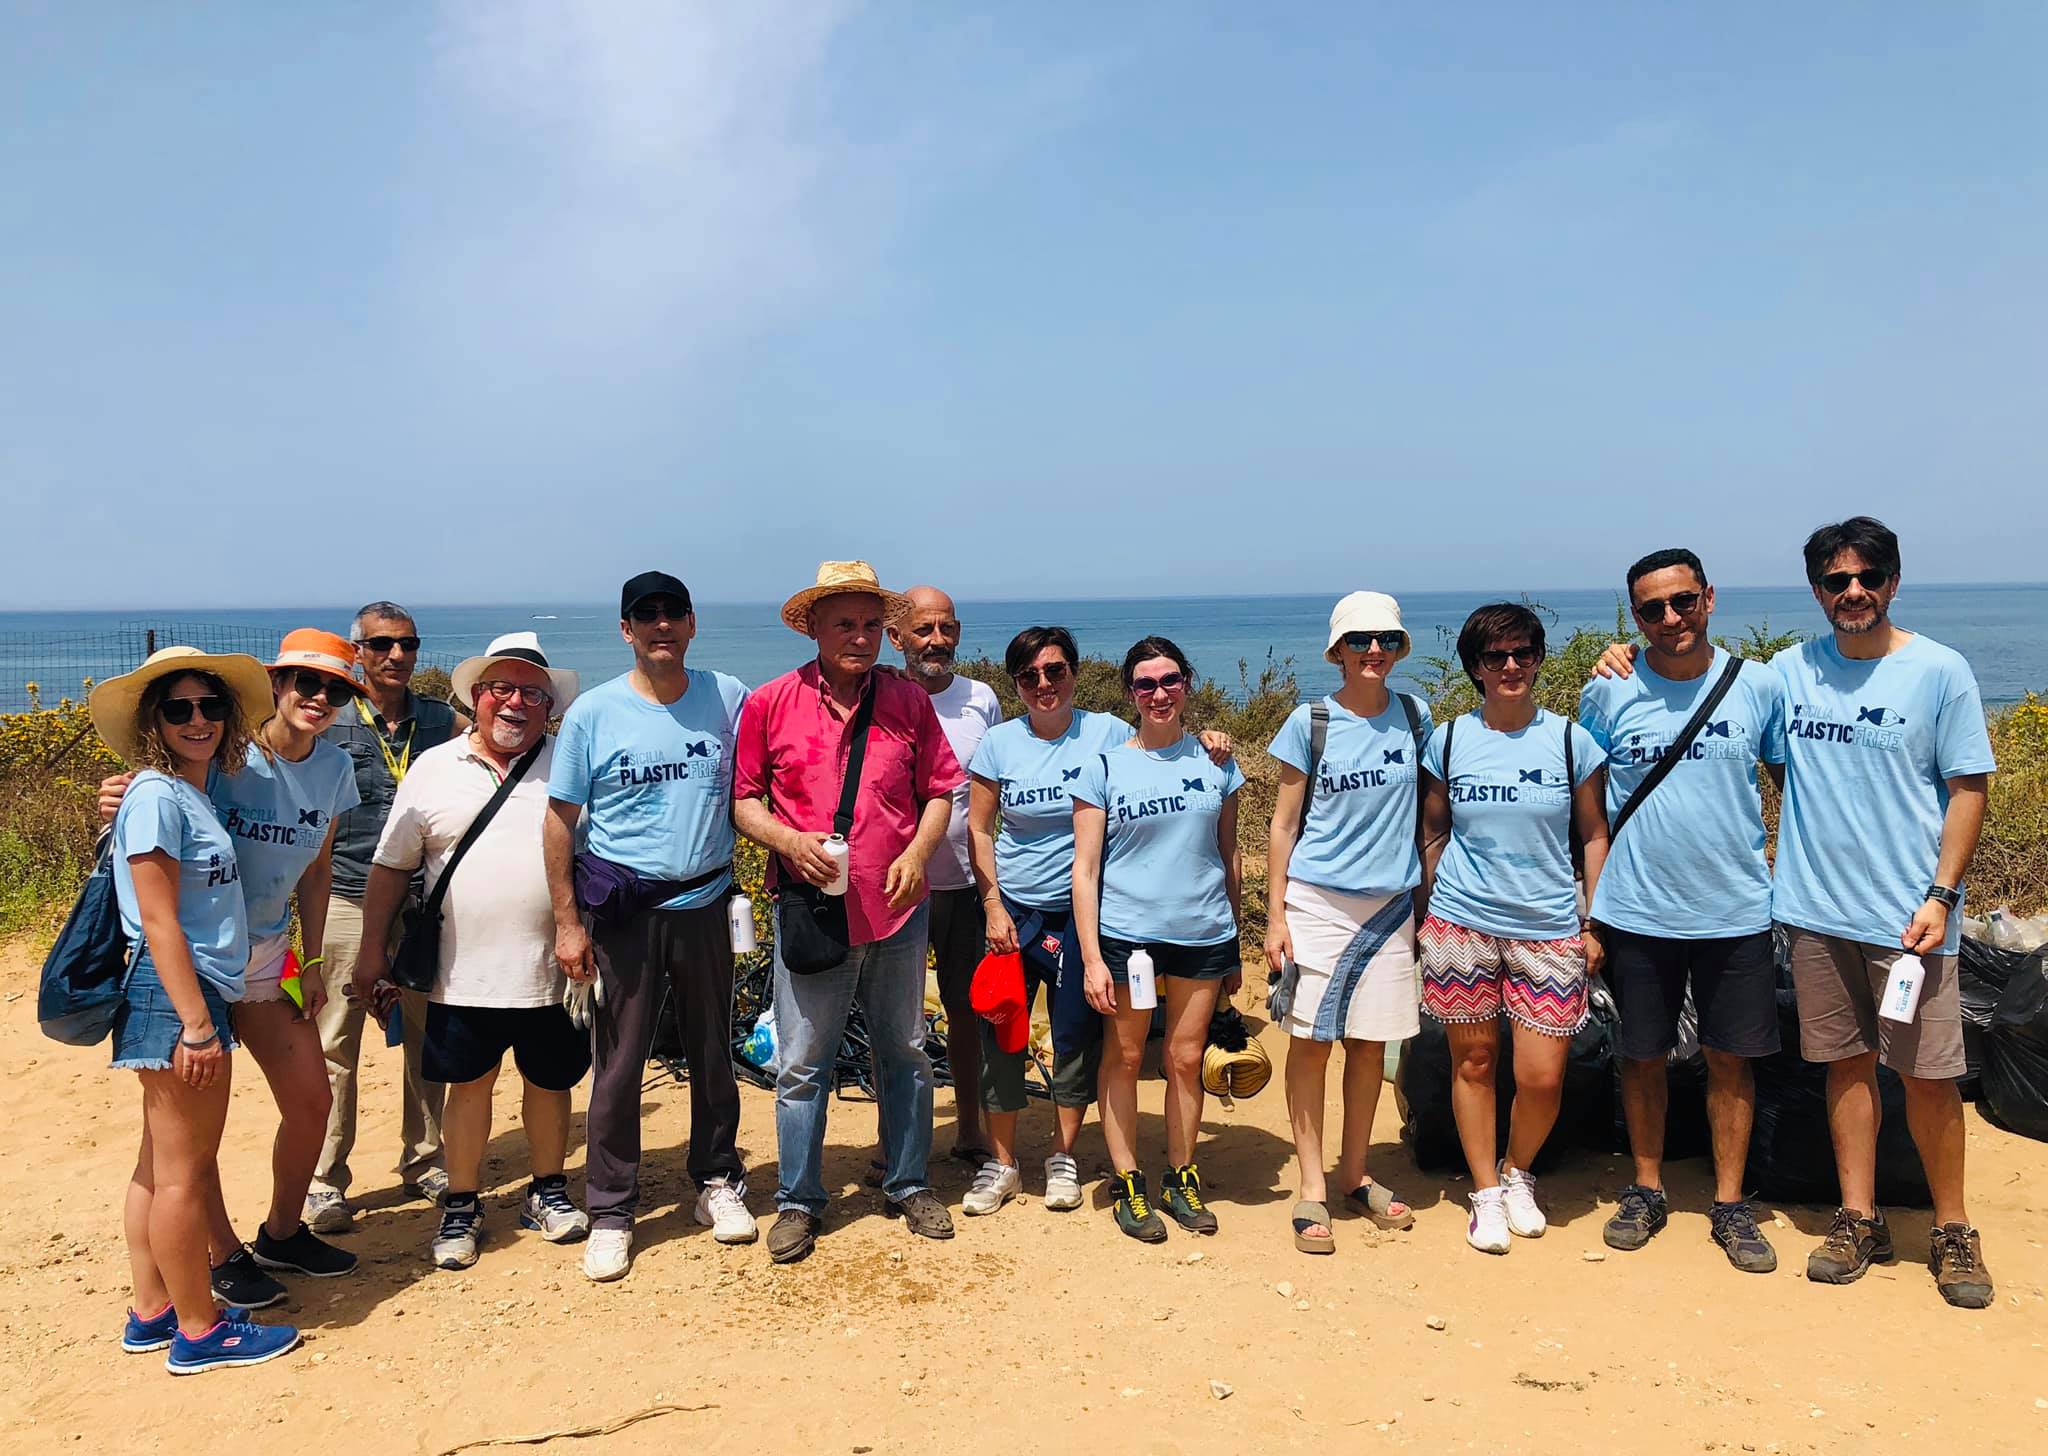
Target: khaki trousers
(341, 1039)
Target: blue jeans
(810, 1024)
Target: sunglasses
(311, 685)
(1682, 603)
(1052, 673)
(532, 697)
(649, 612)
(1171, 682)
(1385, 641)
(178, 711)
(385, 644)
(1834, 583)
(1494, 659)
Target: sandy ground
(1032, 1331)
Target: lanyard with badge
(394, 764)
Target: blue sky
(505, 299)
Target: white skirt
(1356, 953)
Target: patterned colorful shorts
(1468, 975)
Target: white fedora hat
(512, 647)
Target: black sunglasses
(1682, 603)
(1834, 583)
(310, 685)
(178, 711)
(1387, 641)
(1164, 683)
(1494, 658)
(655, 608)
(1050, 674)
(385, 644)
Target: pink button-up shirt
(792, 751)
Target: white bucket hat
(512, 647)
(1365, 611)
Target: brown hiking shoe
(922, 1214)
(1852, 1245)
(793, 1235)
(1957, 1258)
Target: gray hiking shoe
(1640, 1218)
(1735, 1229)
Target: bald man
(928, 637)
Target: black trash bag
(1982, 973)
(1792, 1155)
(1686, 1131)
(2015, 1073)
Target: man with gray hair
(384, 733)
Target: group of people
(546, 890)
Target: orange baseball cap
(317, 651)
(997, 996)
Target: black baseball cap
(651, 584)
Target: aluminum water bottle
(837, 850)
(739, 920)
(1144, 990)
(1902, 991)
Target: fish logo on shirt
(699, 749)
(1192, 786)
(1725, 728)
(1880, 717)
(1393, 755)
(1548, 778)
(310, 816)
(1068, 775)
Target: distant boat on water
(545, 616)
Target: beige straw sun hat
(113, 702)
(835, 577)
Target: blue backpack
(85, 975)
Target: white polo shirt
(497, 923)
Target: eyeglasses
(1682, 603)
(178, 711)
(1171, 682)
(1051, 674)
(656, 608)
(382, 645)
(532, 697)
(1494, 659)
(1834, 583)
(1385, 641)
(310, 685)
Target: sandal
(1372, 1200)
(1309, 1215)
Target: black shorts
(463, 1043)
(1189, 962)
(1734, 990)
(959, 933)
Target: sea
(2001, 629)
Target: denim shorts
(147, 1026)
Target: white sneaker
(549, 1212)
(1488, 1231)
(723, 1205)
(994, 1185)
(608, 1254)
(327, 1212)
(1519, 1189)
(460, 1235)
(1062, 1182)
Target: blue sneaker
(231, 1342)
(143, 1335)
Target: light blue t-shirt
(1162, 871)
(279, 814)
(1360, 834)
(656, 778)
(1035, 850)
(1870, 747)
(1507, 869)
(1690, 862)
(162, 813)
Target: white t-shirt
(497, 923)
(967, 709)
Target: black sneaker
(1641, 1217)
(1735, 1229)
(303, 1252)
(1956, 1256)
(1134, 1213)
(1180, 1190)
(1852, 1245)
(240, 1280)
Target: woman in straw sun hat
(1341, 870)
(179, 717)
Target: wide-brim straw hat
(513, 647)
(113, 702)
(835, 577)
(1365, 611)
(1236, 1074)
(317, 651)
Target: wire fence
(46, 667)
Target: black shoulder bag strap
(1415, 732)
(432, 909)
(1318, 739)
(1678, 748)
(856, 754)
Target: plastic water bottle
(838, 851)
(394, 1025)
(1902, 990)
(739, 920)
(1144, 990)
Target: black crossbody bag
(1679, 746)
(417, 961)
(811, 930)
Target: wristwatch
(1949, 897)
